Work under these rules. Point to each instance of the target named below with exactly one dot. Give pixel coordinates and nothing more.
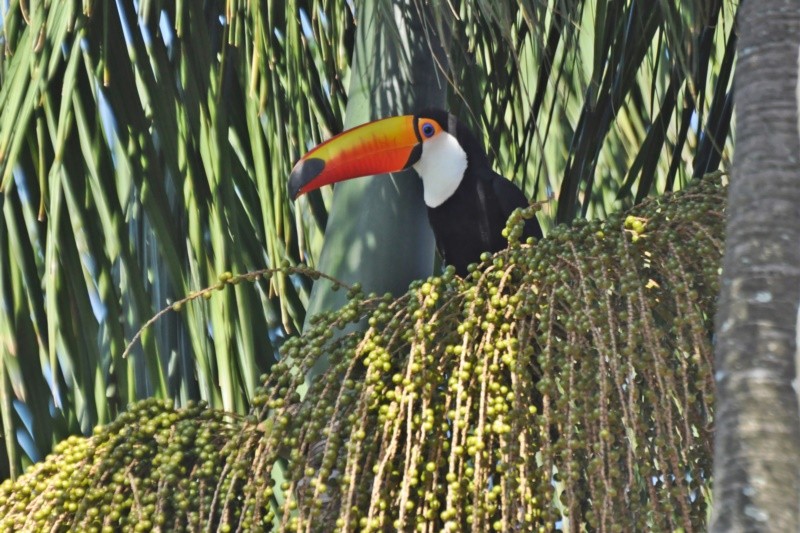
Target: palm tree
(144, 150)
(755, 460)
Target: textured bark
(757, 450)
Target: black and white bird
(468, 203)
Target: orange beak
(386, 145)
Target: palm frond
(597, 104)
(143, 153)
(144, 149)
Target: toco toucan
(468, 203)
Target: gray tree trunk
(757, 450)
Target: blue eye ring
(428, 130)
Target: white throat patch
(441, 167)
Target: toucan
(468, 203)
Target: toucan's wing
(510, 197)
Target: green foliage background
(144, 149)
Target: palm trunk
(757, 451)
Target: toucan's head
(432, 142)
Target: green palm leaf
(143, 153)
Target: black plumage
(471, 221)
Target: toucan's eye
(428, 130)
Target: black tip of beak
(304, 173)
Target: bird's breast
(466, 225)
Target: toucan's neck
(445, 161)
(472, 146)
(441, 168)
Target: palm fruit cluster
(563, 384)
